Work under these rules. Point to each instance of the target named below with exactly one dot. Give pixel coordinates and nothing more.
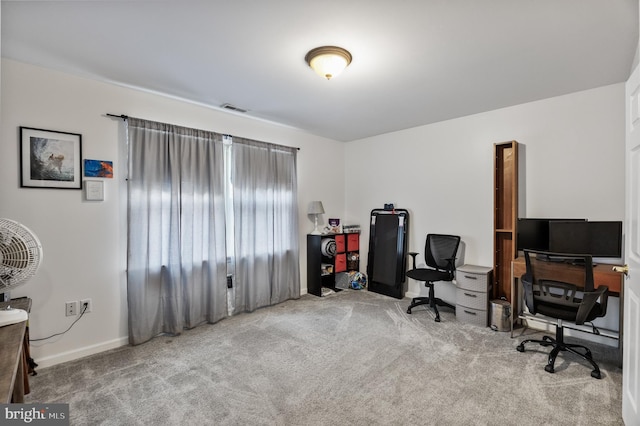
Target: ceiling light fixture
(328, 61)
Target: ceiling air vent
(232, 108)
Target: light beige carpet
(352, 358)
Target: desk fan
(20, 257)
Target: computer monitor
(533, 233)
(598, 238)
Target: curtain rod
(125, 117)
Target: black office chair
(440, 257)
(547, 296)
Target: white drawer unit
(472, 294)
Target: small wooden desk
(603, 274)
(13, 370)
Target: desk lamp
(315, 208)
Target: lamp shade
(315, 207)
(328, 61)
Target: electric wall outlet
(71, 308)
(88, 304)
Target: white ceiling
(415, 62)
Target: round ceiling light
(328, 61)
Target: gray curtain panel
(176, 268)
(265, 210)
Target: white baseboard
(411, 295)
(81, 352)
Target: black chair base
(432, 301)
(559, 345)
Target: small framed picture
(94, 190)
(98, 168)
(50, 159)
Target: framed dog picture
(50, 159)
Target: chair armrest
(604, 298)
(413, 255)
(527, 284)
(589, 300)
(452, 263)
(451, 266)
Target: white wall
(572, 150)
(84, 242)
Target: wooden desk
(13, 369)
(603, 274)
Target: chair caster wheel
(596, 374)
(437, 319)
(520, 348)
(409, 311)
(549, 368)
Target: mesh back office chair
(440, 257)
(562, 301)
